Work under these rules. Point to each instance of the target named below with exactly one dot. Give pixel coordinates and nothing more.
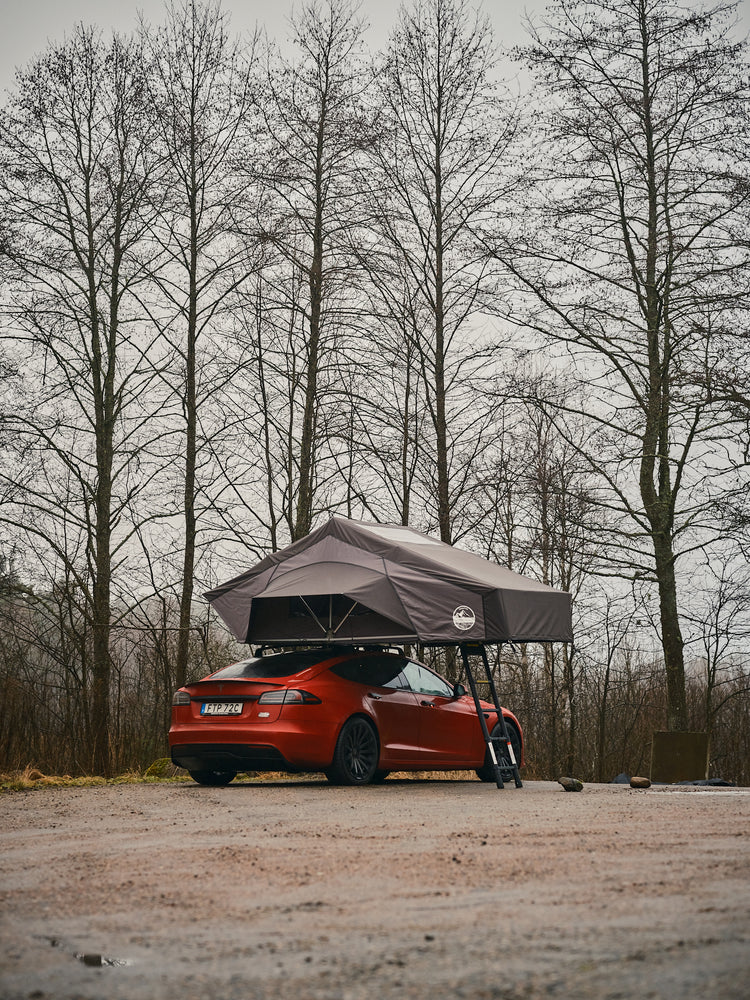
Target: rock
(571, 784)
(91, 959)
(621, 779)
(636, 782)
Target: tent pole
(501, 721)
(480, 713)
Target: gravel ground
(413, 889)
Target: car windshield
(276, 665)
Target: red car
(354, 714)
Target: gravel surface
(412, 889)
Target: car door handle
(428, 704)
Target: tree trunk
(304, 512)
(190, 405)
(441, 425)
(655, 473)
(672, 642)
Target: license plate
(221, 708)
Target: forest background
(501, 296)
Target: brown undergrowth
(31, 778)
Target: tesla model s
(354, 714)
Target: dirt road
(410, 890)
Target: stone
(571, 784)
(637, 782)
(90, 959)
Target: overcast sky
(26, 26)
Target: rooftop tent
(353, 581)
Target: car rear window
(276, 665)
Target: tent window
(324, 605)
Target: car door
(448, 726)
(390, 701)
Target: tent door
(498, 743)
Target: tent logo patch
(464, 618)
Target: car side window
(380, 671)
(423, 681)
(398, 681)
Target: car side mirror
(458, 690)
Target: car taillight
(181, 698)
(288, 697)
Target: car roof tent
(353, 581)
(360, 582)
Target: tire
(379, 777)
(355, 759)
(215, 778)
(487, 771)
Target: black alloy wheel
(214, 778)
(355, 759)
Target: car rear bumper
(300, 740)
(229, 757)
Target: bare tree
(718, 629)
(387, 408)
(199, 84)
(436, 172)
(313, 128)
(625, 246)
(75, 189)
(537, 514)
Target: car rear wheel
(487, 771)
(215, 778)
(355, 759)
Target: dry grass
(32, 778)
(163, 770)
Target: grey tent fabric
(353, 581)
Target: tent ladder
(493, 743)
